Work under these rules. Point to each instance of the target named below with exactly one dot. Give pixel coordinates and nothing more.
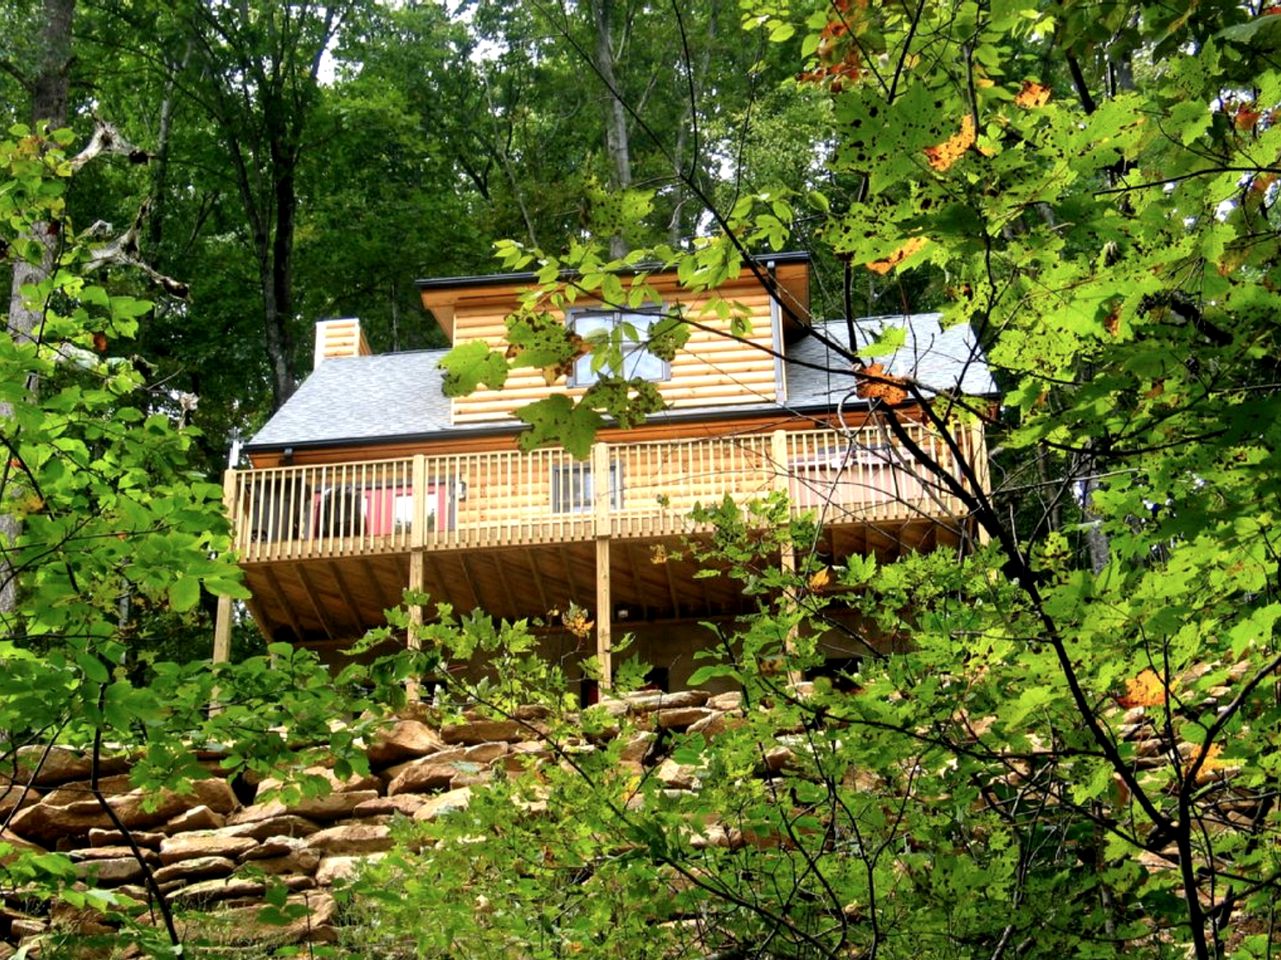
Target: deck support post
(787, 554)
(976, 448)
(417, 561)
(601, 492)
(222, 621)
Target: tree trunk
(697, 68)
(160, 161)
(282, 299)
(616, 141)
(50, 90)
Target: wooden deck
(328, 548)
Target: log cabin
(370, 480)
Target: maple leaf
(953, 148)
(910, 247)
(820, 578)
(1213, 766)
(1032, 95)
(1145, 690)
(1246, 117)
(557, 419)
(469, 365)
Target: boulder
(776, 758)
(114, 838)
(333, 869)
(302, 861)
(486, 753)
(733, 700)
(644, 701)
(607, 707)
(333, 806)
(485, 731)
(678, 776)
(236, 925)
(48, 822)
(443, 756)
(111, 853)
(18, 845)
(188, 846)
(197, 818)
(214, 793)
(284, 825)
(405, 803)
(637, 747)
(355, 782)
(23, 927)
(111, 786)
(352, 839)
(678, 718)
(212, 891)
(110, 873)
(196, 868)
(425, 775)
(710, 726)
(404, 740)
(62, 764)
(445, 803)
(15, 795)
(471, 778)
(274, 847)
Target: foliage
(1092, 187)
(115, 521)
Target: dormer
(713, 370)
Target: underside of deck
(322, 600)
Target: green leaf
(558, 420)
(184, 594)
(470, 365)
(93, 667)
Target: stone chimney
(339, 338)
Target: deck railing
(506, 498)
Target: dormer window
(632, 329)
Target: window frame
(581, 374)
(566, 500)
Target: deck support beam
(222, 621)
(417, 564)
(604, 600)
(787, 555)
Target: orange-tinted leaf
(100, 341)
(820, 578)
(1246, 117)
(1145, 690)
(874, 383)
(1213, 764)
(1032, 95)
(898, 256)
(953, 148)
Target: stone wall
(212, 852)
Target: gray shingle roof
(936, 358)
(398, 395)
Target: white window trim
(647, 314)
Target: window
(632, 330)
(574, 492)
